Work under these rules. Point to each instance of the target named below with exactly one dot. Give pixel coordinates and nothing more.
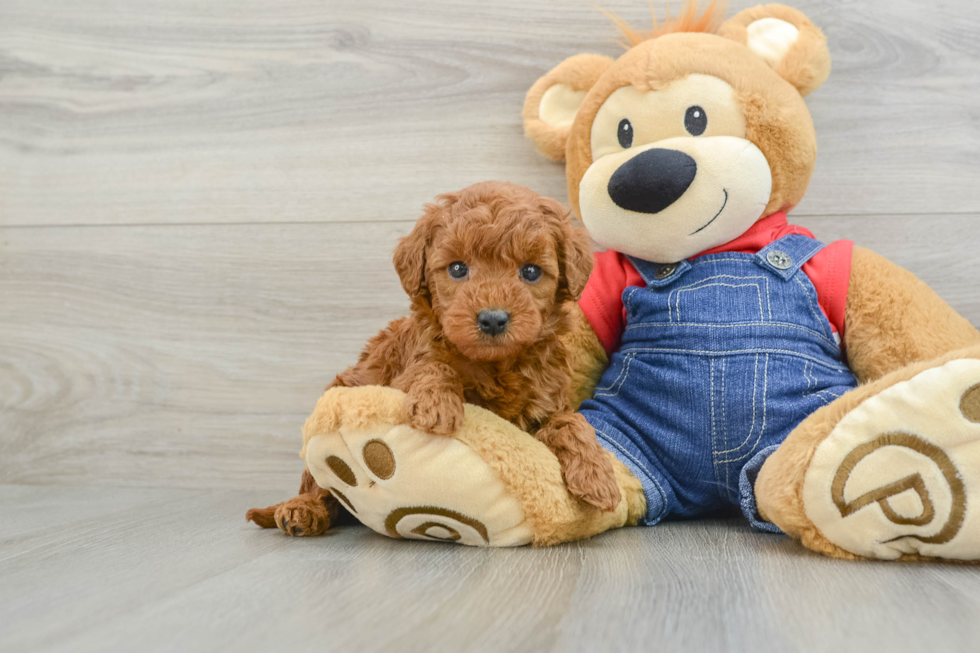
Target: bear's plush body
(716, 328)
(724, 323)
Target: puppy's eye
(695, 120)
(458, 270)
(625, 133)
(530, 273)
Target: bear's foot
(405, 483)
(898, 477)
(488, 484)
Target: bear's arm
(893, 319)
(588, 358)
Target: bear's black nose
(493, 321)
(652, 180)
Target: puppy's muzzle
(652, 180)
(493, 321)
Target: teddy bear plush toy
(735, 360)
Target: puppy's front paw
(591, 479)
(585, 465)
(303, 516)
(433, 412)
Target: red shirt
(829, 270)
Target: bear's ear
(786, 40)
(551, 104)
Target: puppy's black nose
(493, 321)
(652, 180)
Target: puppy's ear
(409, 257)
(574, 251)
(551, 104)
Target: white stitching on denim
(785, 325)
(711, 395)
(626, 358)
(633, 291)
(714, 431)
(613, 382)
(692, 288)
(762, 431)
(750, 260)
(724, 426)
(697, 284)
(628, 300)
(765, 408)
(724, 415)
(735, 352)
(622, 449)
(755, 387)
(769, 298)
(619, 381)
(812, 382)
(832, 394)
(825, 322)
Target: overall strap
(784, 257)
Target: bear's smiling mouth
(723, 205)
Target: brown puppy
(491, 271)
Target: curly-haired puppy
(491, 271)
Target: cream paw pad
(900, 474)
(490, 484)
(407, 484)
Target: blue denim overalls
(722, 357)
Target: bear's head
(694, 134)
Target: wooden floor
(198, 201)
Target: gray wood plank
(27, 509)
(189, 356)
(182, 356)
(187, 574)
(176, 111)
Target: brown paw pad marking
(379, 459)
(437, 531)
(912, 482)
(342, 470)
(434, 523)
(970, 404)
(428, 522)
(342, 498)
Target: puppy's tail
(264, 517)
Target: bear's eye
(458, 270)
(530, 273)
(695, 120)
(625, 133)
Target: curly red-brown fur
(439, 356)
(585, 466)
(311, 512)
